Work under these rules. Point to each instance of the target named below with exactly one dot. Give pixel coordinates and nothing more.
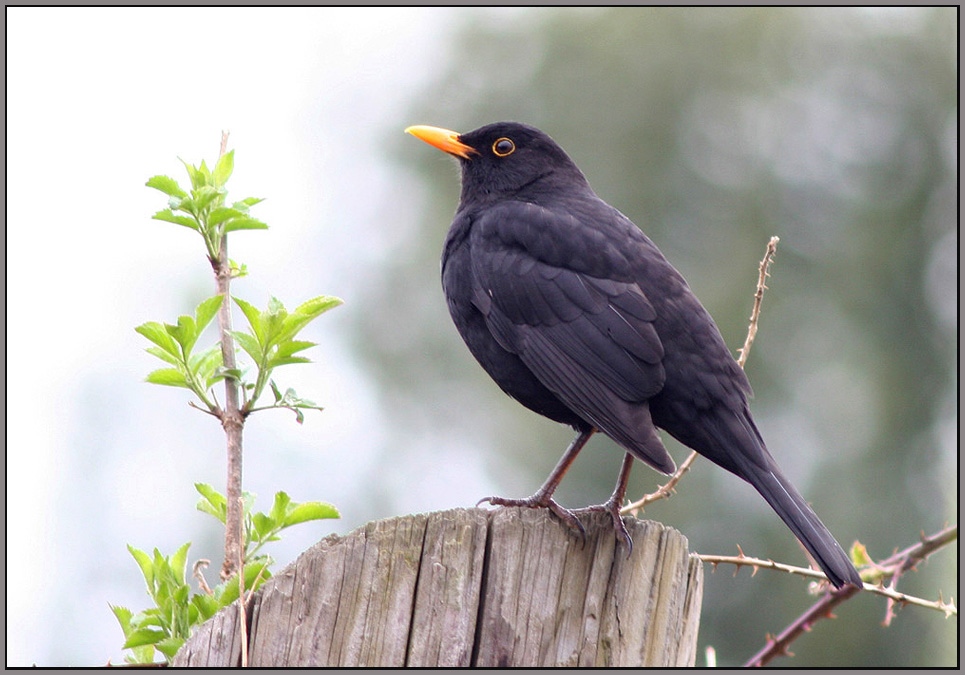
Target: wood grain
(472, 587)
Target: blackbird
(576, 314)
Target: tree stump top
(471, 587)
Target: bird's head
(505, 159)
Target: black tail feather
(733, 441)
(788, 503)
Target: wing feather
(590, 340)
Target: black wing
(557, 294)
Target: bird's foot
(536, 502)
(612, 507)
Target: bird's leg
(613, 504)
(542, 498)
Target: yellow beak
(445, 140)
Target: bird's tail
(738, 447)
(788, 503)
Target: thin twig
(898, 563)
(213, 413)
(742, 560)
(664, 491)
(889, 592)
(197, 572)
(758, 298)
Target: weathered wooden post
(471, 587)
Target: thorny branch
(889, 569)
(664, 491)
(758, 298)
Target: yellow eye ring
(503, 147)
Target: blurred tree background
(713, 129)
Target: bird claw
(568, 517)
(619, 527)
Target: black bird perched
(577, 315)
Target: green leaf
(162, 575)
(144, 636)
(273, 319)
(318, 305)
(254, 318)
(306, 312)
(200, 175)
(198, 178)
(224, 167)
(180, 597)
(149, 617)
(189, 205)
(250, 345)
(310, 511)
(237, 271)
(227, 591)
(179, 562)
(186, 333)
(168, 215)
(280, 507)
(164, 356)
(147, 567)
(207, 196)
(158, 334)
(223, 213)
(167, 185)
(253, 569)
(203, 365)
(263, 525)
(288, 360)
(206, 604)
(234, 373)
(170, 646)
(169, 377)
(141, 655)
(244, 223)
(213, 502)
(207, 310)
(123, 615)
(274, 390)
(205, 507)
(209, 493)
(246, 204)
(290, 347)
(205, 171)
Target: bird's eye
(503, 147)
